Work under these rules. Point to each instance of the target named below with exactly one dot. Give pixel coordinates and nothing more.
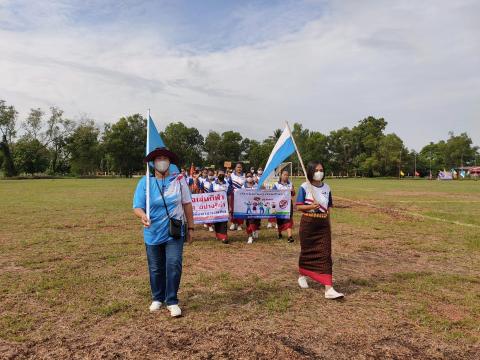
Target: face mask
(221, 177)
(211, 177)
(260, 172)
(249, 179)
(162, 165)
(318, 176)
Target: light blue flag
(154, 140)
(281, 151)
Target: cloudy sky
(249, 65)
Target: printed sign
(210, 207)
(261, 204)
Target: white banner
(210, 207)
(261, 204)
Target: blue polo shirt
(176, 193)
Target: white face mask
(162, 165)
(211, 177)
(260, 172)
(249, 179)
(318, 176)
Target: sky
(249, 66)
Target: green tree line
(49, 143)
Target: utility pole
(400, 165)
(415, 165)
(430, 164)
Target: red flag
(192, 170)
(416, 173)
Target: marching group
(209, 180)
(170, 222)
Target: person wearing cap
(169, 199)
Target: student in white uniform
(285, 224)
(253, 225)
(236, 181)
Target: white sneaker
(239, 228)
(175, 310)
(205, 226)
(232, 227)
(269, 225)
(250, 240)
(155, 306)
(332, 294)
(255, 234)
(302, 282)
(210, 229)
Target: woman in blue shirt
(169, 199)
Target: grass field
(74, 283)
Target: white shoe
(232, 227)
(210, 229)
(276, 226)
(155, 306)
(205, 226)
(302, 282)
(332, 294)
(175, 310)
(255, 234)
(269, 225)
(239, 228)
(250, 240)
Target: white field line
(408, 213)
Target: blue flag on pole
(154, 140)
(281, 151)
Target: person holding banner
(207, 186)
(285, 224)
(315, 202)
(170, 209)
(237, 180)
(220, 184)
(253, 225)
(200, 179)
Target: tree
(316, 149)
(186, 142)
(367, 136)
(33, 124)
(390, 154)
(8, 118)
(459, 151)
(58, 130)
(84, 148)
(258, 152)
(340, 146)
(125, 143)
(31, 156)
(213, 150)
(232, 145)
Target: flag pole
(301, 161)
(147, 203)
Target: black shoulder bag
(174, 225)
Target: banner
(210, 207)
(445, 175)
(261, 204)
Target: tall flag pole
(147, 205)
(281, 151)
(154, 140)
(301, 163)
